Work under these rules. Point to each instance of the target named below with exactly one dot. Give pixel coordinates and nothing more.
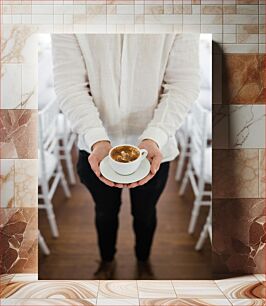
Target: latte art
(125, 154)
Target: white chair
(183, 134)
(68, 139)
(198, 170)
(183, 140)
(50, 172)
(206, 231)
(43, 246)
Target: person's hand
(99, 151)
(155, 158)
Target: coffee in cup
(126, 159)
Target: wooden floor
(74, 255)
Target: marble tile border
(18, 183)
(18, 130)
(20, 292)
(237, 26)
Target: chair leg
(43, 245)
(203, 234)
(185, 180)
(70, 170)
(194, 216)
(51, 216)
(63, 181)
(49, 210)
(180, 164)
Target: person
(125, 89)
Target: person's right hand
(99, 151)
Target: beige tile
(247, 9)
(7, 182)
(184, 302)
(248, 302)
(197, 289)
(117, 290)
(260, 277)
(117, 302)
(235, 173)
(211, 9)
(26, 183)
(262, 177)
(241, 287)
(52, 290)
(156, 289)
(46, 302)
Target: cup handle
(143, 153)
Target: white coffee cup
(128, 167)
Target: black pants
(107, 205)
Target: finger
(133, 185)
(119, 185)
(106, 181)
(145, 179)
(155, 164)
(94, 163)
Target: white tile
(7, 180)
(20, 44)
(260, 277)
(247, 9)
(16, 19)
(191, 19)
(229, 38)
(42, 19)
(118, 290)
(163, 19)
(156, 289)
(158, 28)
(240, 48)
(240, 19)
(248, 302)
(125, 9)
(245, 38)
(58, 19)
(217, 37)
(120, 19)
(211, 19)
(209, 28)
(11, 86)
(229, 28)
(196, 289)
(42, 9)
(29, 80)
(195, 9)
(99, 20)
(193, 28)
(247, 126)
(139, 9)
(6, 19)
(262, 48)
(47, 302)
(122, 302)
(262, 9)
(58, 9)
(79, 9)
(220, 127)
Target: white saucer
(111, 175)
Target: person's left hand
(155, 158)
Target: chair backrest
(47, 137)
(48, 140)
(199, 135)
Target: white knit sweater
(126, 87)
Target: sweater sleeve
(72, 89)
(181, 87)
